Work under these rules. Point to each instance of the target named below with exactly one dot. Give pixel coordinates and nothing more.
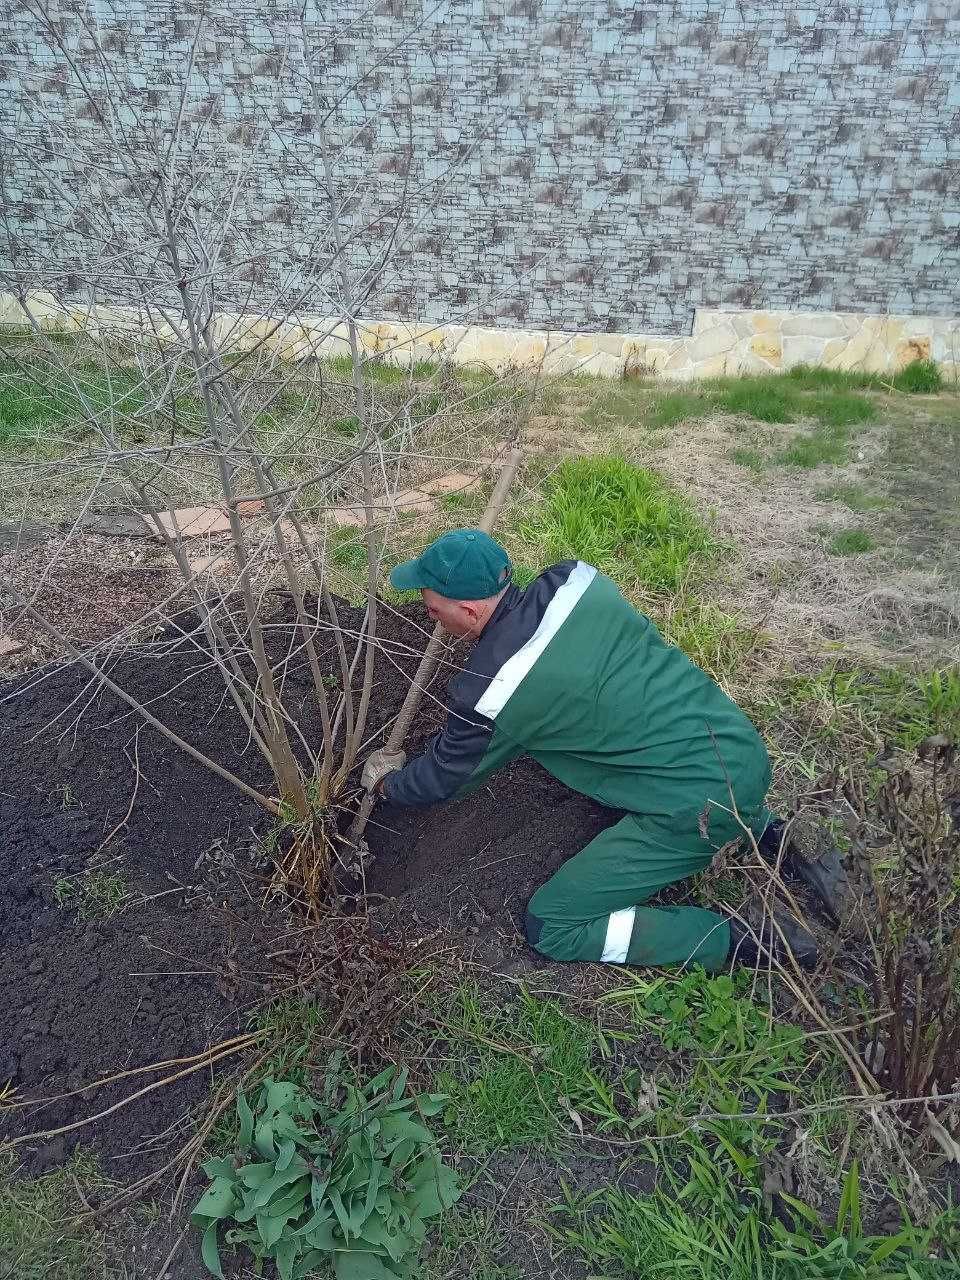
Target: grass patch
(898, 706)
(853, 496)
(705, 1229)
(921, 378)
(711, 638)
(619, 518)
(779, 398)
(821, 445)
(469, 1245)
(40, 1235)
(752, 459)
(736, 1055)
(851, 542)
(94, 894)
(513, 1066)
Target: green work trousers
(591, 909)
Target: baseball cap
(463, 565)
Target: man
(568, 672)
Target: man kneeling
(568, 672)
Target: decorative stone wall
(601, 165)
(722, 342)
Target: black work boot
(810, 856)
(761, 938)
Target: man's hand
(379, 765)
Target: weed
(736, 1051)
(902, 707)
(922, 377)
(94, 893)
(619, 517)
(42, 1235)
(513, 1068)
(292, 1024)
(851, 542)
(350, 1178)
(905, 856)
(679, 406)
(816, 447)
(854, 496)
(523, 575)
(348, 549)
(816, 377)
(705, 1230)
(766, 399)
(469, 1245)
(838, 409)
(711, 638)
(348, 427)
(751, 458)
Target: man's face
(457, 617)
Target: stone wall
(722, 342)
(600, 165)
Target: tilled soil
(85, 784)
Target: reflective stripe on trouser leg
(616, 944)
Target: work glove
(379, 764)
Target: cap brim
(407, 576)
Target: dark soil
(169, 975)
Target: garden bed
(152, 945)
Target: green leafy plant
(96, 893)
(922, 377)
(735, 1048)
(350, 1179)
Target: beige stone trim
(722, 342)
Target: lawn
(797, 536)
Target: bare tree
(231, 392)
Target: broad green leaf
(397, 1243)
(325, 1236)
(280, 1096)
(340, 1210)
(245, 1116)
(218, 1168)
(397, 1127)
(308, 1264)
(380, 1081)
(272, 1185)
(218, 1201)
(435, 1187)
(431, 1104)
(210, 1251)
(318, 1189)
(286, 1256)
(290, 1204)
(400, 1084)
(263, 1140)
(354, 1265)
(270, 1229)
(255, 1175)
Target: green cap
(463, 565)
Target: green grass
(922, 377)
(705, 1229)
(30, 408)
(736, 1056)
(509, 1068)
(823, 445)
(41, 1237)
(714, 640)
(470, 1244)
(853, 496)
(902, 707)
(93, 894)
(621, 518)
(851, 542)
(771, 398)
(752, 459)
